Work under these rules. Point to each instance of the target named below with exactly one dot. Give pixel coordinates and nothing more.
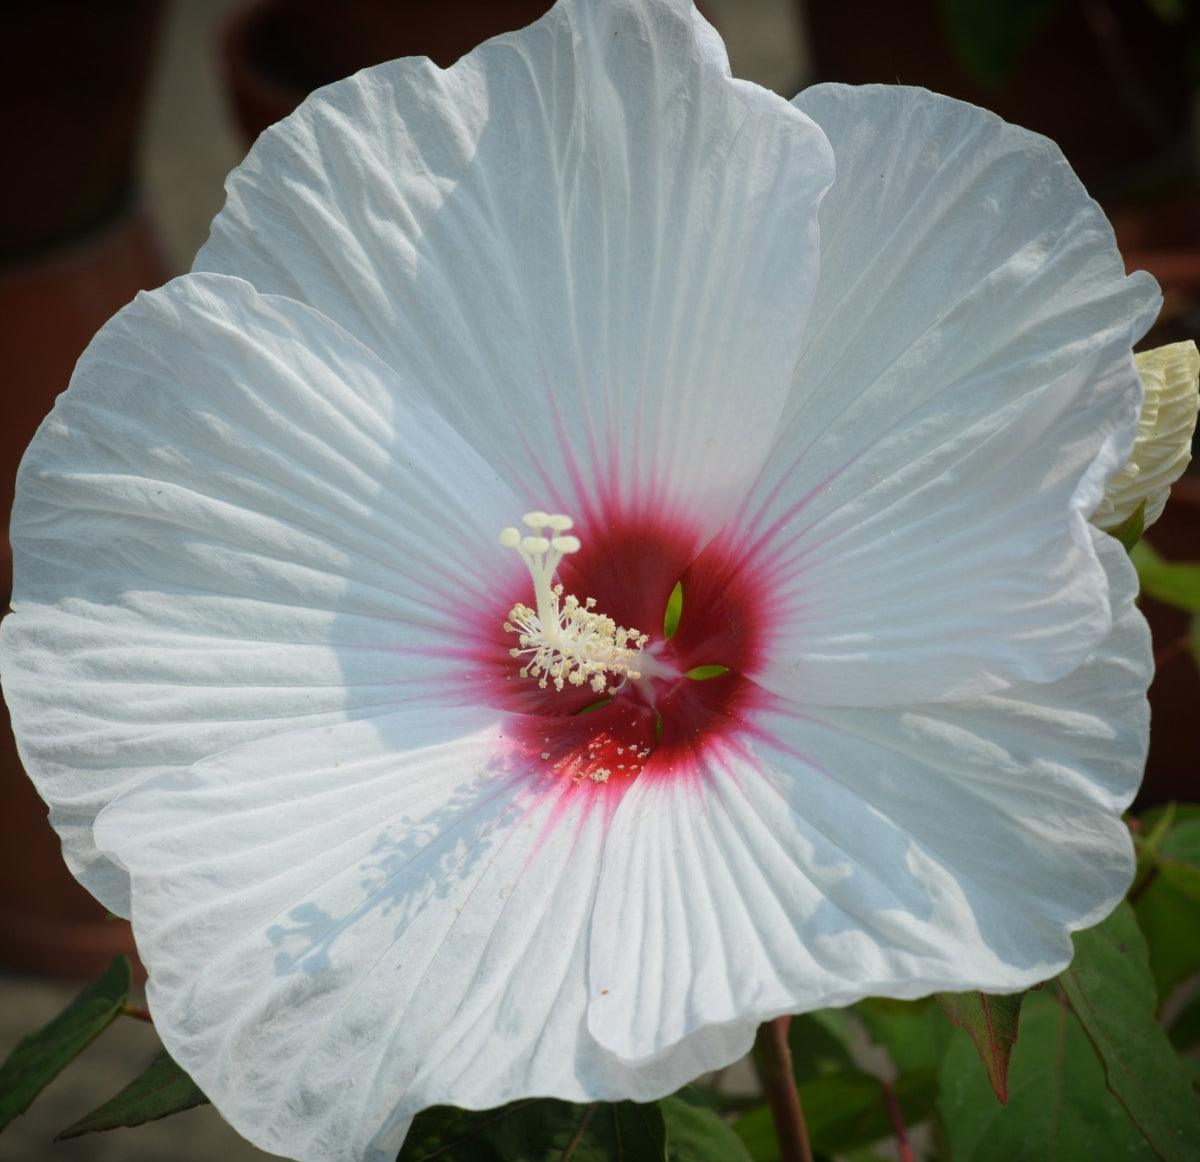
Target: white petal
(347, 925)
(965, 391)
(234, 523)
(591, 248)
(875, 852)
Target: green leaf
(1169, 11)
(1167, 906)
(1174, 583)
(163, 1089)
(539, 1130)
(674, 612)
(39, 1058)
(1153, 827)
(990, 36)
(915, 1034)
(991, 1022)
(844, 1115)
(756, 1130)
(820, 1044)
(1166, 902)
(1182, 840)
(1059, 1107)
(1130, 530)
(1184, 1032)
(1145, 555)
(696, 1134)
(1112, 992)
(1172, 830)
(843, 1111)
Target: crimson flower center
(562, 639)
(636, 654)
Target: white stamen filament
(564, 640)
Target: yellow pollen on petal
(562, 640)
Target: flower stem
(897, 1116)
(775, 1069)
(1171, 651)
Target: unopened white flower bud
(1162, 448)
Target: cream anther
(564, 640)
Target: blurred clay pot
(75, 247)
(1173, 769)
(1110, 83)
(50, 308)
(276, 52)
(74, 83)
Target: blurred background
(123, 119)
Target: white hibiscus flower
(849, 375)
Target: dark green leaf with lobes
(1174, 583)
(989, 37)
(539, 1130)
(1112, 992)
(696, 1134)
(43, 1055)
(844, 1111)
(991, 1022)
(163, 1089)
(1059, 1107)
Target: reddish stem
(140, 1012)
(1171, 651)
(775, 1069)
(1136, 892)
(898, 1126)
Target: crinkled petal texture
(591, 249)
(232, 527)
(965, 390)
(874, 851)
(256, 664)
(515, 258)
(329, 955)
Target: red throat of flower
(636, 653)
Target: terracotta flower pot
(277, 51)
(74, 248)
(1162, 235)
(1173, 769)
(1110, 83)
(49, 311)
(74, 80)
